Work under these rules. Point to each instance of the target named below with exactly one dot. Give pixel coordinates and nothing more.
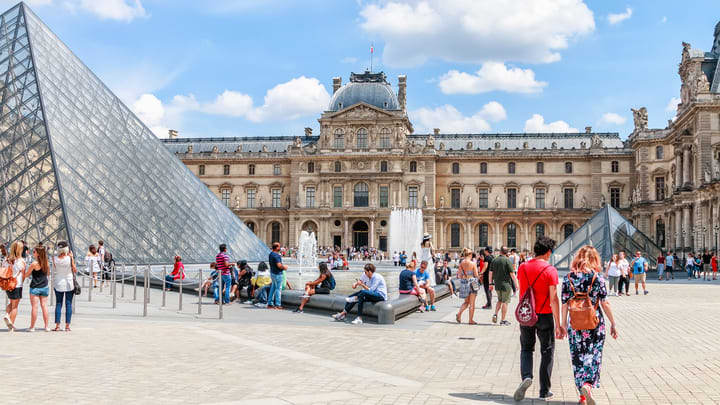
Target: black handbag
(76, 286)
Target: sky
(218, 68)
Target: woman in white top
(94, 264)
(624, 274)
(63, 283)
(15, 260)
(612, 271)
(426, 254)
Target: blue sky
(265, 67)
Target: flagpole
(372, 48)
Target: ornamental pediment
(361, 111)
(616, 184)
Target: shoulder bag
(583, 314)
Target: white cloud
(475, 31)
(663, 20)
(536, 124)
(349, 59)
(612, 118)
(121, 10)
(151, 112)
(492, 76)
(288, 101)
(450, 120)
(672, 104)
(230, 103)
(619, 17)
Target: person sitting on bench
(322, 285)
(423, 280)
(374, 289)
(408, 284)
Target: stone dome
(370, 88)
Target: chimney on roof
(337, 82)
(172, 134)
(436, 131)
(308, 131)
(402, 91)
(588, 130)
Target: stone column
(371, 242)
(687, 179)
(678, 169)
(678, 229)
(686, 226)
(346, 237)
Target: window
(511, 235)
(569, 200)
(512, 198)
(660, 233)
(226, 170)
(385, 138)
(614, 166)
(251, 226)
(383, 166)
(568, 230)
(413, 167)
(311, 167)
(455, 235)
(483, 197)
(251, 197)
(412, 197)
(310, 197)
(511, 168)
(659, 152)
(275, 232)
(483, 168)
(540, 168)
(201, 170)
(568, 167)
(539, 231)
(659, 188)
(277, 170)
(615, 197)
(251, 170)
(276, 195)
(455, 198)
(384, 194)
(362, 138)
(225, 196)
(339, 141)
(337, 196)
(540, 198)
(361, 193)
(456, 168)
(483, 235)
(338, 167)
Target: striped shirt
(222, 261)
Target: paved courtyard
(666, 354)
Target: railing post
(114, 285)
(220, 296)
(163, 285)
(181, 293)
(122, 287)
(149, 271)
(145, 291)
(102, 274)
(200, 286)
(52, 289)
(135, 283)
(90, 289)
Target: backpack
(8, 282)
(583, 315)
(525, 311)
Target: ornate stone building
(677, 190)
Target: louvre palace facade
(474, 189)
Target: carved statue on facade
(262, 201)
(583, 203)
(298, 142)
(430, 141)
(596, 142)
(716, 168)
(602, 201)
(425, 201)
(264, 148)
(442, 201)
(702, 84)
(640, 118)
(497, 201)
(706, 172)
(526, 202)
(555, 203)
(468, 202)
(237, 201)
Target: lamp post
(716, 228)
(683, 243)
(704, 232)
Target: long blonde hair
(586, 260)
(15, 252)
(467, 252)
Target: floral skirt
(586, 347)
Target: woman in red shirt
(714, 263)
(178, 273)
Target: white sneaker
(31, 330)
(248, 302)
(48, 329)
(339, 316)
(357, 321)
(8, 322)
(351, 299)
(304, 296)
(261, 305)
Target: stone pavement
(666, 354)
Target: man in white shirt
(374, 289)
(624, 274)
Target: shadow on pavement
(501, 398)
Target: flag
(371, 49)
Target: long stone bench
(386, 312)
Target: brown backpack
(583, 315)
(8, 282)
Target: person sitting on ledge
(208, 281)
(423, 280)
(374, 289)
(245, 275)
(322, 285)
(177, 273)
(443, 275)
(262, 283)
(408, 284)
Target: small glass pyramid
(609, 232)
(77, 164)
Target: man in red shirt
(539, 275)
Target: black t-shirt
(39, 279)
(707, 258)
(405, 283)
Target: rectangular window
(615, 197)
(483, 197)
(277, 170)
(569, 198)
(540, 168)
(251, 198)
(384, 193)
(659, 188)
(337, 197)
(310, 197)
(226, 170)
(540, 198)
(512, 198)
(276, 195)
(455, 235)
(412, 197)
(225, 193)
(455, 198)
(201, 170)
(483, 235)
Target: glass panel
(337, 197)
(483, 198)
(384, 196)
(361, 195)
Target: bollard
(135, 283)
(200, 285)
(122, 287)
(163, 286)
(148, 284)
(145, 291)
(114, 286)
(102, 274)
(90, 288)
(180, 288)
(52, 295)
(220, 296)
(73, 304)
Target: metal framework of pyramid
(609, 232)
(76, 164)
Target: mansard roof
(231, 144)
(518, 140)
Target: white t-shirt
(63, 277)
(93, 263)
(624, 266)
(614, 270)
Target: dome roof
(370, 88)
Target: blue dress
(586, 346)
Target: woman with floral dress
(586, 346)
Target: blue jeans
(61, 296)
(227, 283)
(169, 280)
(363, 296)
(275, 298)
(262, 294)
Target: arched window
(251, 226)
(455, 235)
(483, 168)
(362, 138)
(539, 231)
(413, 166)
(338, 167)
(511, 235)
(511, 168)
(385, 139)
(568, 230)
(384, 166)
(540, 167)
(360, 196)
(456, 168)
(660, 233)
(568, 167)
(339, 141)
(483, 239)
(275, 232)
(251, 170)
(311, 167)
(659, 152)
(614, 166)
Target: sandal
(57, 329)
(472, 323)
(67, 329)
(457, 318)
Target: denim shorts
(42, 291)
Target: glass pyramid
(77, 164)
(609, 232)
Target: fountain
(406, 231)
(307, 251)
